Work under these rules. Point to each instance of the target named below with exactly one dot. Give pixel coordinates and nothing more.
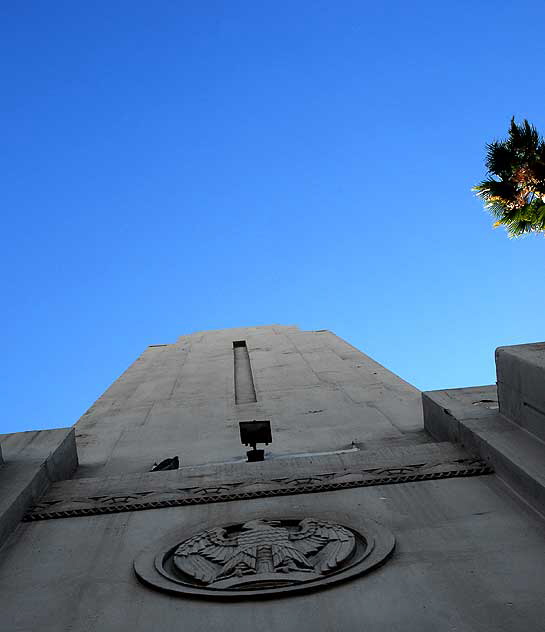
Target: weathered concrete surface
(32, 461)
(505, 425)
(517, 456)
(84, 492)
(444, 410)
(468, 558)
(469, 555)
(320, 394)
(521, 385)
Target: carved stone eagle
(265, 551)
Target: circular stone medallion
(264, 556)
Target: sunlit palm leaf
(514, 192)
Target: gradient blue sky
(170, 167)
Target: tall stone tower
(352, 506)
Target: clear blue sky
(177, 166)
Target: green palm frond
(499, 159)
(523, 138)
(515, 191)
(525, 219)
(502, 189)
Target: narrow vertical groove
(244, 381)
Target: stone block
(520, 373)
(33, 460)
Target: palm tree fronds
(514, 192)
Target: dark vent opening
(244, 380)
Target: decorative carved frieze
(51, 508)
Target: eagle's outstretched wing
(200, 555)
(328, 544)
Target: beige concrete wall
(319, 392)
(468, 558)
(469, 553)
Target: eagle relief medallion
(264, 556)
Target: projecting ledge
(32, 461)
(470, 417)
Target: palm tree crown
(514, 192)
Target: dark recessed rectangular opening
(244, 380)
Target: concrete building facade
(376, 506)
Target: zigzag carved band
(478, 469)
